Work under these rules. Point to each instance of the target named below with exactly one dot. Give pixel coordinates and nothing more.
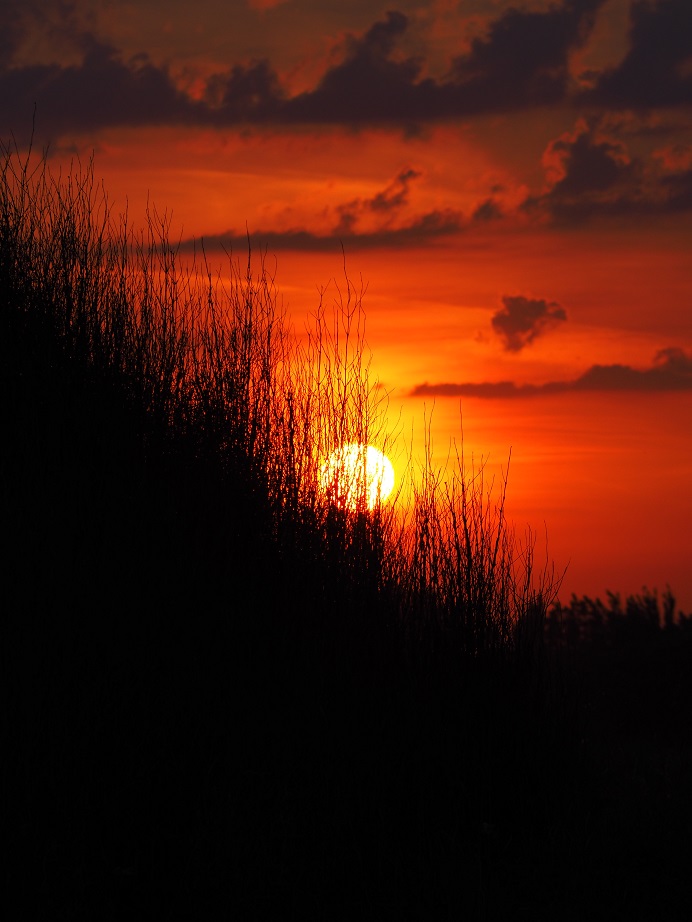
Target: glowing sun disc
(357, 475)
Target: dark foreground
(196, 727)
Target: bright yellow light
(357, 476)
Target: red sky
(513, 181)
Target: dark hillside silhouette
(223, 695)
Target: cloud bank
(422, 229)
(521, 61)
(671, 371)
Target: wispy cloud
(671, 371)
(381, 220)
(382, 205)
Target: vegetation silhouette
(226, 693)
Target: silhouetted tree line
(638, 619)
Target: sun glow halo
(356, 475)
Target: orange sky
(513, 182)
(607, 473)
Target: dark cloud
(369, 85)
(657, 70)
(104, 90)
(101, 91)
(520, 62)
(589, 165)
(521, 320)
(592, 175)
(523, 60)
(396, 194)
(671, 371)
(246, 93)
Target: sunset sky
(511, 180)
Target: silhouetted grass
(216, 378)
(226, 691)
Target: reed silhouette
(225, 692)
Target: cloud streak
(421, 230)
(671, 371)
(384, 205)
(380, 221)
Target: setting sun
(355, 475)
